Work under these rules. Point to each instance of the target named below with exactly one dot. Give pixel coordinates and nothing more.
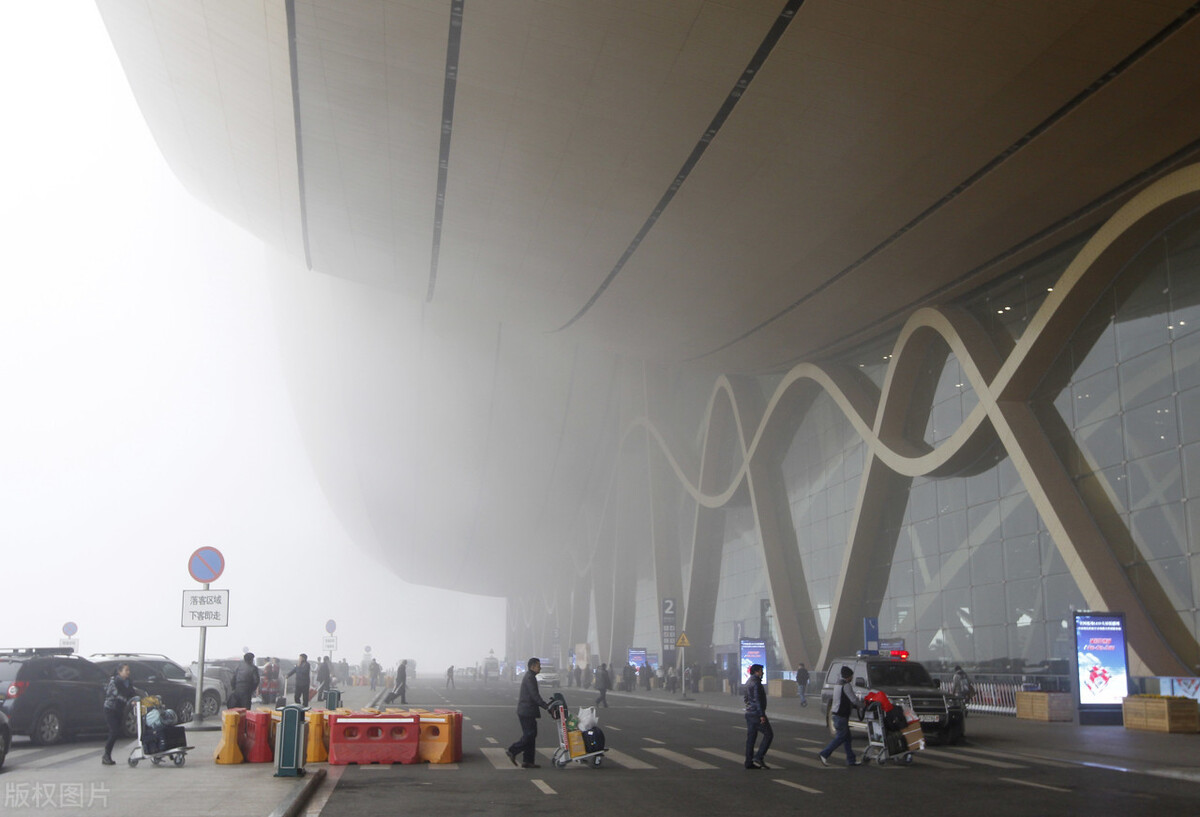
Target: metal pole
(199, 714)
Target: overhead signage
(1103, 666)
(205, 608)
(668, 626)
(752, 651)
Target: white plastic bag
(587, 718)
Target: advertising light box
(1103, 670)
(753, 651)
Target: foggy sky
(144, 412)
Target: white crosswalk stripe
(791, 757)
(1035, 759)
(61, 757)
(498, 759)
(983, 761)
(543, 786)
(682, 760)
(725, 754)
(626, 761)
(796, 786)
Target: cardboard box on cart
(914, 736)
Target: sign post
(682, 643)
(330, 642)
(205, 565)
(69, 629)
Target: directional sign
(683, 641)
(206, 564)
(70, 628)
(330, 626)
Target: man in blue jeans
(756, 719)
(844, 702)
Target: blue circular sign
(206, 564)
(330, 626)
(366, 649)
(70, 628)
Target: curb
(291, 805)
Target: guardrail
(997, 694)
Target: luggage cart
(570, 741)
(158, 744)
(890, 736)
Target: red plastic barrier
(373, 738)
(456, 725)
(254, 737)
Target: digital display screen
(637, 657)
(752, 652)
(1100, 648)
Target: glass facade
(975, 577)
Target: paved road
(665, 759)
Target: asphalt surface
(667, 756)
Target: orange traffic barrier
(367, 738)
(437, 739)
(456, 724)
(254, 737)
(228, 750)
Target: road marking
(1024, 757)
(498, 759)
(477, 727)
(614, 728)
(682, 760)
(698, 719)
(734, 756)
(998, 764)
(1035, 785)
(652, 740)
(374, 767)
(63, 757)
(492, 740)
(544, 786)
(791, 757)
(438, 766)
(937, 764)
(810, 740)
(796, 786)
(626, 761)
(656, 712)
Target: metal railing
(997, 694)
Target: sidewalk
(1168, 755)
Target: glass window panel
(924, 538)
(982, 487)
(1146, 378)
(988, 603)
(929, 613)
(1160, 531)
(944, 420)
(1018, 516)
(1185, 356)
(1095, 398)
(955, 569)
(1092, 355)
(983, 524)
(1106, 489)
(1022, 558)
(1142, 332)
(1052, 560)
(1028, 643)
(1155, 480)
(902, 580)
(1101, 445)
(925, 574)
(952, 531)
(951, 495)
(922, 500)
(904, 543)
(1150, 428)
(987, 564)
(991, 643)
(1010, 481)
(1062, 598)
(1189, 415)
(1175, 575)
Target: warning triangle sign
(683, 641)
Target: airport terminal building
(744, 320)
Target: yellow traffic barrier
(227, 749)
(436, 744)
(317, 750)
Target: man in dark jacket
(303, 673)
(245, 681)
(324, 676)
(756, 719)
(529, 709)
(603, 683)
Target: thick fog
(145, 408)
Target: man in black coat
(303, 673)
(529, 709)
(245, 681)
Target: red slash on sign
(206, 564)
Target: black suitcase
(593, 740)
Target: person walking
(324, 676)
(756, 720)
(602, 684)
(450, 677)
(245, 681)
(802, 683)
(374, 671)
(845, 701)
(961, 687)
(529, 709)
(401, 689)
(303, 673)
(118, 694)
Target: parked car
(5, 738)
(549, 676)
(49, 694)
(149, 676)
(217, 678)
(940, 712)
(163, 667)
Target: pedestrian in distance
(245, 682)
(961, 686)
(529, 709)
(324, 676)
(303, 673)
(401, 688)
(374, 670)
(755, 697)
(802, 683)
(845, 701)
(118, 694)
(450, 677)
(603, 682)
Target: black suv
(941, 713)
(50, 693)
(155, 675)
